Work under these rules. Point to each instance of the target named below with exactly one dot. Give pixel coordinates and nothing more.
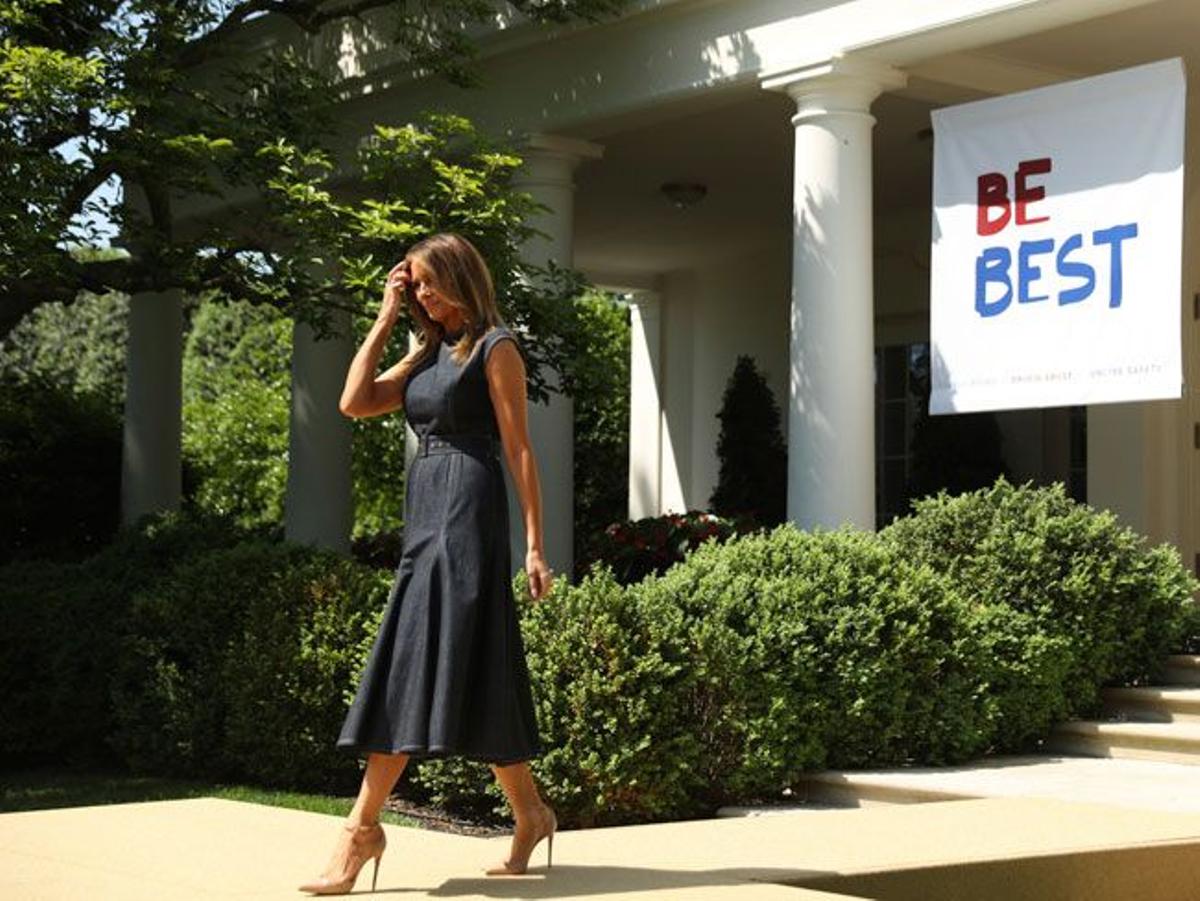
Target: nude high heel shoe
(513, 867)
(368, 840)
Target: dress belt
(448, 443)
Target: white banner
(1057, 244)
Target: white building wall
(1188, 497)
(710, 316)
(740, 308)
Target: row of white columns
(830, 408)
(830, 396)
(319, 505)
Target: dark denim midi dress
(447, 673)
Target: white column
(645, 406)
(831, 427)
(1136, 467)
(319, 508)
(151, 445)
(548, 175)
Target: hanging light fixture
(683, 194)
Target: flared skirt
(446, 674)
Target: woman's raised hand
(394, 290)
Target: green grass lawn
(42, 788)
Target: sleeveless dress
(447, 674)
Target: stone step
(1128, 783)
(1154, 703)
(1182, 669)
(1170, 742)
(872, 789)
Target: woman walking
(447, 672)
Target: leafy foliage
(162, 97)
(60, 628)
(751, 450)
(79, 348)
(60, 470)
(966, 628)
(775, 653)
(1075, 573)
(601, 417)
(239, 665)
(237, 390)
(653, 544)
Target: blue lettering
(1068, 269)
(1113, 237)
(992, 266)
(1026, 273)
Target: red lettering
(993, 194)
(1029, 193)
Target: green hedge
(1075, 572)
(241, 664)
(966, 628)
(60, 470)
(608, 667)
(59, 628)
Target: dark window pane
(894, 494)
(894, 437)
(895, 369)
(1078, 487)
(1079, 436)
(918, 369)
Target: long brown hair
(464, 280)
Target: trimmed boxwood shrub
(773, 654)
(1075, 573)
(829, 650)
(968, 627)
(241, 664)
(59, 628)
(611, 667)
(60, 471)
(734, 673)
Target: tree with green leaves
(753, 475)
(164, 97)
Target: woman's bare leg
(378, 780)
(383, 770)
(532, 815)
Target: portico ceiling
(738, 143)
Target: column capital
(839, 85)
(559, 145)
(551, 159)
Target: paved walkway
(215, 848)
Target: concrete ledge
(1154, 703)
(1183, 669)
(1170, 742)
(214, 848)
(1135, 784)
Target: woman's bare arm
(364, 394)
(505, 371)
